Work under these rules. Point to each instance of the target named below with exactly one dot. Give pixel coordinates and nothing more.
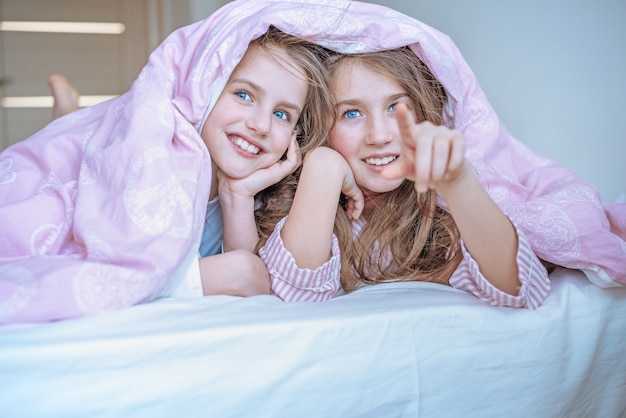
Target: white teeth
(245, 145)
(381, 161)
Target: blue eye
(392, 108)
(351, 114)
(282, 115)
(243, 95)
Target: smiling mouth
(381, 161)
(245, 145)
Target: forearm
(237, 273)
(292, 283)
(534, 280)
(307, 233)
(240, 232)
(488, 234)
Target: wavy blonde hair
(313, 125)
(408, 236)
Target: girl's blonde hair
(408, 237)
(313, 125)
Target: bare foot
(64, 94)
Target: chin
(237, 173)
(380, 187)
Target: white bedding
(395, 350)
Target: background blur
(554, 71)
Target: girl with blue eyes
(153, 193)
(268, 115)
(272, 111)
(410, 205)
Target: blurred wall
(555, 71)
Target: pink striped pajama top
(291, 283)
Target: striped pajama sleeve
(292, 283)
(533, 277)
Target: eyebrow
(256, 87)
(353, 102)
(350, 102)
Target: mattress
(390, 350)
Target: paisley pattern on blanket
(7, 174)
(100, 208)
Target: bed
(390, 350)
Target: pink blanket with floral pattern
(100, 209)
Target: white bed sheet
(394, 350)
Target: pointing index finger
(404, 124)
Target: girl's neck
(369, 208)
(372, 201)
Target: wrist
(465, 182)
(230, 200)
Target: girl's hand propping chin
(263, 178)
(330, 167)
(433, 156)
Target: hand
(328, 166)
(432, 155)
(354, 195)
(263, 178)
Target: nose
(260, 121)
(380, 130)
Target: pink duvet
(99, 209)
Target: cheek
(343, 142)
(281, 143)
